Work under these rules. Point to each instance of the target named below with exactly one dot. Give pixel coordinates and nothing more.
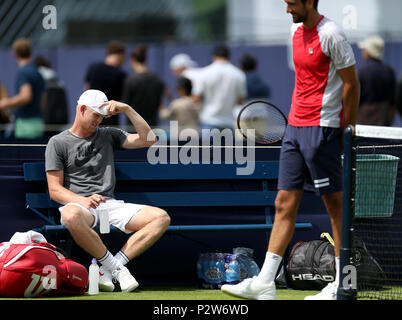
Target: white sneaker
(328, 293)
(126, 280)
(105, 280)
(251, 289)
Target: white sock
(122, 258)
(337, 269)
(269, 268)
(110, 262)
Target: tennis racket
(266, 121)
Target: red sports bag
(39, 270)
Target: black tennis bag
(311, 265)
(370, 275)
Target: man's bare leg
(79, 221)
(263, 287)
(149, 225)
(286, 206)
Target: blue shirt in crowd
(377, 82)
(29, 74)
(256, 87)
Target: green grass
(174, 293)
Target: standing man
(108, 76)
(378, 85)
(144, 89)
(324, 103)
(222, 87)
(80, 175)
(257, 88)
(30, 87)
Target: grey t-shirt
(88, 163)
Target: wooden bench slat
(125, 171)
(175, 199)
(201, 199)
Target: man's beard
(300, 18)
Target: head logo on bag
(311, 277)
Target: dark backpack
(370, 275)
(56, 111)
(311, 265)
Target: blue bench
(265, 176)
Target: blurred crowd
(204, 97)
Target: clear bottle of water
(93, 286)
(219, 259)
(232, 269)
(248, 267)
(103, 215)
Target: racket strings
(262, 123)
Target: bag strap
(290, 258)
(295, 247)
(326, 235)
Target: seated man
(80, 174)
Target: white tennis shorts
(120, 212)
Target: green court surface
(173, 293)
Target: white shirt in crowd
(222, 85)
(194, 75)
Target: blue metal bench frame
(142, 171)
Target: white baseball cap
(93, 99)
(182, 60)
(374, 46)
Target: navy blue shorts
(310, 159)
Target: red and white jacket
(318, 53)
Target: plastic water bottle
(103, 215)
(220, 268)
(93, 287)
(248, 267)
(232, 272)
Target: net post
(345, 291)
